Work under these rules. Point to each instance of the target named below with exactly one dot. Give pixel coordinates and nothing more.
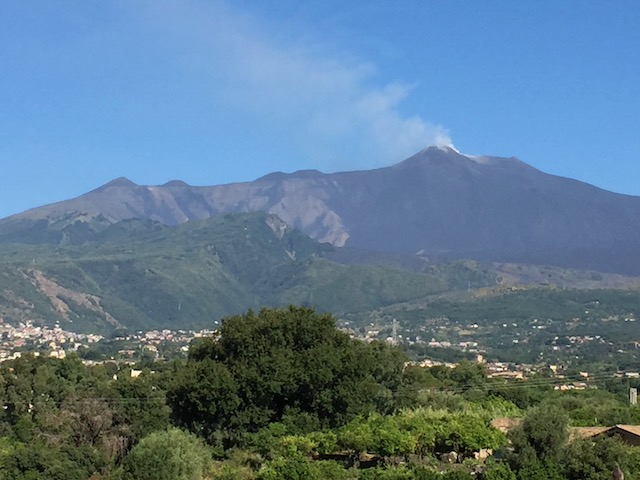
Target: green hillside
(141, 274)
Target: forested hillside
(143, 275)
(283, 394)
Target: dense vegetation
(144, 275)
(529, 325)
(283, 394)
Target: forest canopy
(284, 394)
(289, 365)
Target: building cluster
(56, 342)
(151, 341)
(132, 346)
(509, 371)
(156, 337)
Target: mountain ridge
(438, 202)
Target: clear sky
(214, 92)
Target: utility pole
(394, 331)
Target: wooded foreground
(283, 394)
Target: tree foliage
(295, 398)
(542, 436)
(283, 363)
(167, 455)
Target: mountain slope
(436, 203)
(142, 275)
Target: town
(434, 343)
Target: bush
(167, 455)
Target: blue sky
(214, 92)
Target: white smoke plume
(325, 101)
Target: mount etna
(438, 227)
(437, 204)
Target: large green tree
(283, 365)
(539, 444)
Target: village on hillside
(132, 347)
